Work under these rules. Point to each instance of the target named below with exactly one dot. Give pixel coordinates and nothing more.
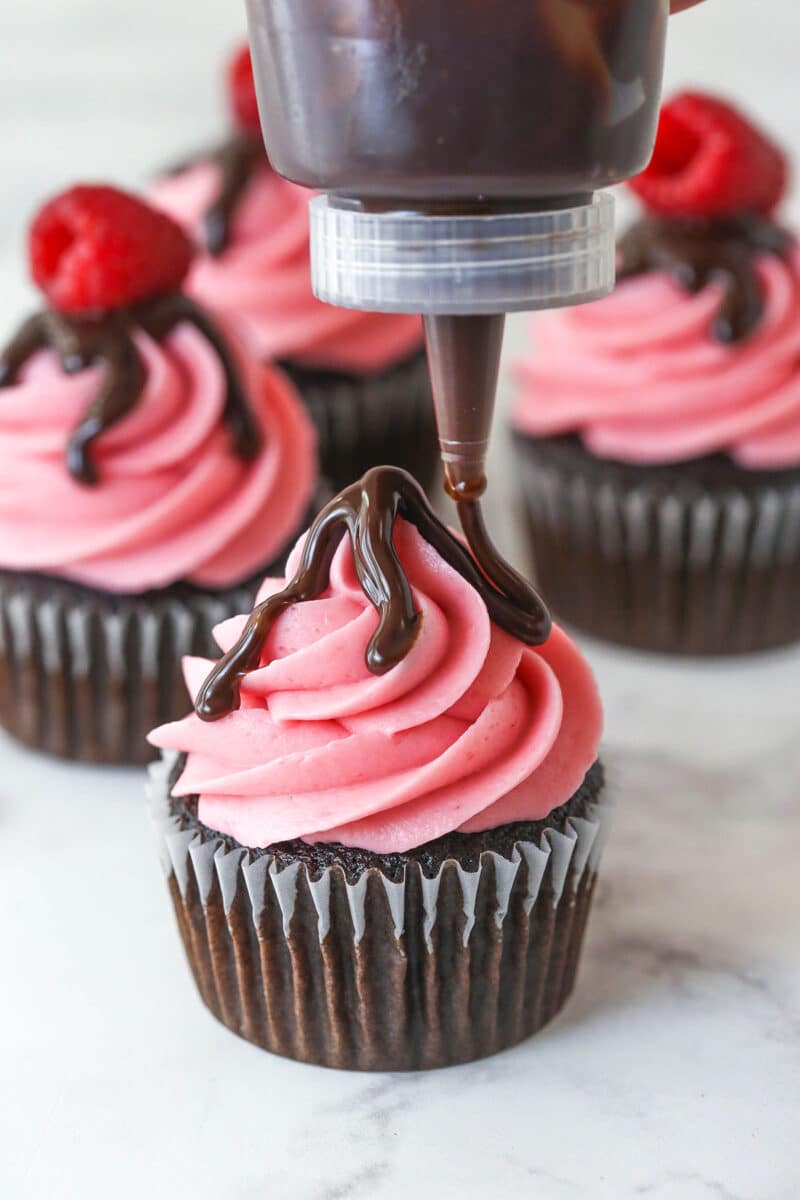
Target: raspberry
(95, 248)
(710, 161)
(242, 91)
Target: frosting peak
(697, 253)
(174, 500)
(108, 341)
(367, 512)
(472, 729)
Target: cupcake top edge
(119, 400)
(382, 723)
(697, 351)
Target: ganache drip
(237, 160)
(366, 512)
(697, 252)
(108, 341)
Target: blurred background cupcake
(151, 472)
(383, 871)
(363, 376)
(657, 432)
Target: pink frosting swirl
(174, 501)
(641, 378)
(262, 280)
(470, 731)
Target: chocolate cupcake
(152, 472)
(363, 376)
(658, 431)
(381, 834)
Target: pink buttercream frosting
(641, 378)
(470, 731)
(174, 501)
(261, 282)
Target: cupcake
(363, 376)
(151, 472)
(381, 834)
(658, 431)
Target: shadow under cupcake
(657, 432)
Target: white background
(675, 1072)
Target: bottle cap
(484, 263)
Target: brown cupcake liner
(364, 422)
(700, 558)
(360, 970)
(86, 674)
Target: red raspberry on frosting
(95, 248)
(710, 161)
(242, 91)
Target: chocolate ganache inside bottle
(421, 99)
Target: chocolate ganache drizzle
(236, 159)
(366, 511)
(107, 341)
(700, 251)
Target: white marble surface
(674, 1072)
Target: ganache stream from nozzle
(464, 362)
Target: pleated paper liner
(366, 962)
(86, 674)
(697, 558)
(367, 421)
